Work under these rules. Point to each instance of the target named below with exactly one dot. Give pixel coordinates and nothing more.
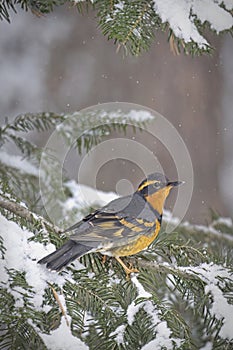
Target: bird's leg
(128, 271)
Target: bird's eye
(156, 185)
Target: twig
(163, 268)
(173, 45)
(138, 20)
(56, 296)
(26, 214)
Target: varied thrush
(123, 227)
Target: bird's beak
(175, 183)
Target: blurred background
(62, 63)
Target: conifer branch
(99, 303)
(136, 24)
(131, 26)
(24, 213)
(162, 268)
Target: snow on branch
(132, 23)
(20, 210)
(183, 15)
(69, 305)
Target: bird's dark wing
(126, 217)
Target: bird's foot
(128, 270)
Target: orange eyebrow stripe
(147, 183)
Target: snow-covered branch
(19, 209)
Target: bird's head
(155, 189)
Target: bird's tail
(64, 255)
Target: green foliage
(170, 302)
(36, 6)
(101, 294)
(81, 130)
(131, 24)
(2, 248)
(16, 330)
(191, 246)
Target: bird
(123, 227)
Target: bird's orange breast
(134, 246)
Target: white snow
(163, 335)
(209, 229)
(224, 221)
(181, 15)
(178, 16)
(23, 256)
(119, 332)
(119, 5)
(208, 346)
(213, 275)
(84, 196)
(209, 10)
(18, 162)
(210, 274)
(132, 115)
(142, 293)
(228, 4)
(132, 311)
(139, 116)
(62, 339)
(133, 308)
(162, 339)
(167, 217)
(77, 1)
